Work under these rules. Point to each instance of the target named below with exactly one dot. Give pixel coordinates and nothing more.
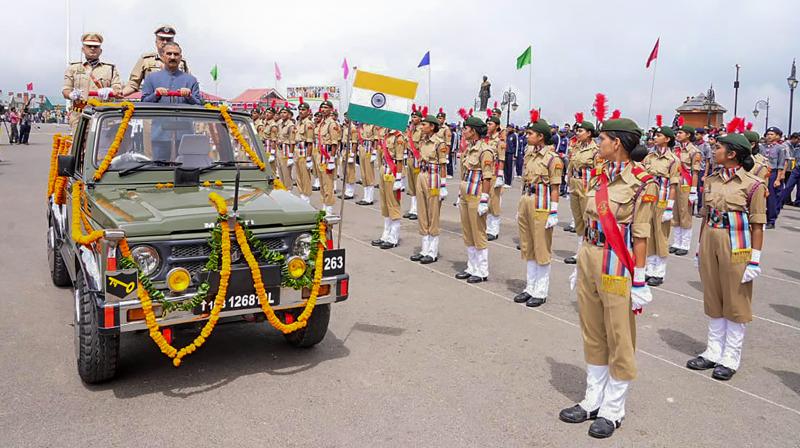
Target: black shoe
(770, 225)
(603, 428)
(476, 279)
(348, 198)
(571, 260)
(569, 229)
(376, 243)
(363, 202)
(722, 373)
(655, 281)
(700, 363)
(314, 188)
(576, 414)
(522, 297)
(518, 248)
(573, 230)
(463, 275)
(491, 237)
(796, 204)
(533, 302)
(412, 216)
(415, 257)
(387, 245)
(406, 215)
(681, 252)
(672, 249)
(427, 259)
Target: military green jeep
(154, 194)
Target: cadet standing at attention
(497, 140)
(729, 256)
(431, 189)
(619, 211)
(583, 155)
(761, 166)
(286, 137)
(329, 135)
(775, 152)
(413, 137)
(447, 137)
(393, 149)
(350, 142)
(151, 62)
(304, 141)
(82, 77)
(689, 158)
(476, 182)
(538, 210)
(368, 159)
(663, 166)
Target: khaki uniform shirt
(330, 131)
(479, 156)
(146, 64)
(663, 165)
(304, 132)
(286, 132)
(432, 150)
(542, 166)
(743, 192)
(85, 77)
(761, 168)
(630, 199)
(582, 157)
(498, 145)
(369, 132)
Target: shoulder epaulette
(641, 174)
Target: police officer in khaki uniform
(393, 150)
(80, 78)
(413, 136)
(304, 141)
(329, 134)
(731, 238)
(151, 62)
(271, 136)
(537, 213)
(610, 275)
(663, 166)
(431, 189)
(476, 182)
(497, 141)
(583, 156)
(315, 184)
(286, 139)
(348, 156)
(368, 135)
(445, 133)
(686, 196)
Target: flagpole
(652, 89)
(429, 86)
(530, 85)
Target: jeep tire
(96, 353)
(58, 268)
(313, 333)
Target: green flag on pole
(214, 73)
(525, 58)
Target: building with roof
(256, 98)
(702, 110)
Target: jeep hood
(148, 211)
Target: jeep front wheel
(313, 333)
(58, 268)
(97, 353)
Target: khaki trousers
(390, 206)
(724, 294)
(473, 226)
(302, 174)
(429, 206)
(682, 215)
(658, 243)
(535, 242)
(368, 167)
(577, 204)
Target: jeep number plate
(241, 293)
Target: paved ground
(414, 358)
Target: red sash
(610, 227)
(322, 149)
(413, 147)
(388, 158)
(687, 176)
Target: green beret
(497, 111)
(625, 125)
(687, 129)
(431, 119)
(666, 130)
(326, 103)
(474, 122)
(736, 140)
(587, 125)
(416, 113)
(493, 119)
(541, 126)
(752, 137)
(303, 106)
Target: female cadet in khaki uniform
(286, 139)
(431, 189)
(583, 156)
(329, 134)
(686, 196)
(368, 159)
(497, 141)
(304, 141)
(761, 168)
(476, 181)
(393, 149)
(619, 210)
(731, 237)
(663, 166)
(538, 210)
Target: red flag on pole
(277, 72)
(29, 86)
(653, 54)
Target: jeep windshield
(186, 141)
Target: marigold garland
(112, 150)
(278, 185)
(60, 184)
(79, 219)
(234, 131)
(51, 177)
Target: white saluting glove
(483, 206)
(105, 92)
(289, 162)
(330, 166)
(75, 94)
(573, 278)
(443, 190)
(271, 158)
(753, 268)
(552, 218)
(499, 181)
(693, 195)
(351, 160)
(309, 164)
(667, 216)
(640, 292)
(398, 184)
(373, 157)
(697, 259)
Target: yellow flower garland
(278, 185)
(60, 184)
(112, 150)
(234, 131)
(79, 218)
(51, 177)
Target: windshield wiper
(221, 163)
(136, 168)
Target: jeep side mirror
(66, 165)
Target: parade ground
(413, 358)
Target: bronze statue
(485, 92)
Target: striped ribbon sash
(434, 178)
(542, 197)
(740, 237)
(614, 279)
(584, 174)
(285, 150)
(664, 189)
(473, 179)
(301, 149)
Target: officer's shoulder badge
(649, 198)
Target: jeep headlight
(302, 246)
(147, 258)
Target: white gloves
(483, 206)
(640, 292)
(373, 157)
(753, 268)
(309, 164)
(693, 195)
(351, 159)
(499, 181)
(75, 94)
(573, 278)
(697, 259)
(668, 212)
(443, 192)
(552, 218)
(271, 158)
(330, 166)
(105, 92)
(289, 162)
(398, 184)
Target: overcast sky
(579, 47)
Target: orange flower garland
(278, 185)
(79, 218)
(60, 184)
(112, 150)
(51, 178)
(234, 131)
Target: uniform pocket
(736, 201)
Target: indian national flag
(381, 100)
